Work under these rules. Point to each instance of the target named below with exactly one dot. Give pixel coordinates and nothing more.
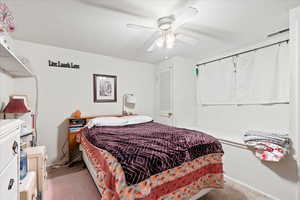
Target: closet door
(165, 96)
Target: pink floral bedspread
(179, 183)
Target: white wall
(6, 89)
(232, 121)
(184, 90)
(62, 91)
(274, 179)
(295, 86)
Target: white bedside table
(28, 187)
(37, 160)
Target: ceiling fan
(166, 27)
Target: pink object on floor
(75, 186)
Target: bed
(148, 160)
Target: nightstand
(28, 187)
(74, 127)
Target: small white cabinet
(37, 161)
(9, 159)
(28, 189)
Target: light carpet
(73, 186)
(77, 184)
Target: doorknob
(11, 184)
(170, 115)
(15, 148)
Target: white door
(164, 93)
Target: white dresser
(9, 159)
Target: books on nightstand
(74, 129)
(76, 124)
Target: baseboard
(250, 187)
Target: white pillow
(137, 119)
(107, 121)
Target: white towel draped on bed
(261, 77)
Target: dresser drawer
(9, 148)
(9, 181)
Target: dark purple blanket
(150, 148)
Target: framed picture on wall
(105, 88)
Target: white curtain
(216, 82)
(260, 77)
(244, 76)
(283, 74)
(263, 76)
(263, 85)
(256, 76)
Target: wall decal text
(62, 65)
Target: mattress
(182, 180)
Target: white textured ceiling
(99, 26)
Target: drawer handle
(15, 147)
(11, 184)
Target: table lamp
(128, 99)
(15, 106)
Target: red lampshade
(16, 106)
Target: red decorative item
(6, 18)
(33, 121)
(16, 106)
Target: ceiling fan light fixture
(170, 45)
(170, 40)
(170, 37)
(166, 29)
(165, 26)
(165, 23)
(160, 42)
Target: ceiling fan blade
(187, 39)
(152, 47)
(140, 27)
(150, 44)
(186, 15)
